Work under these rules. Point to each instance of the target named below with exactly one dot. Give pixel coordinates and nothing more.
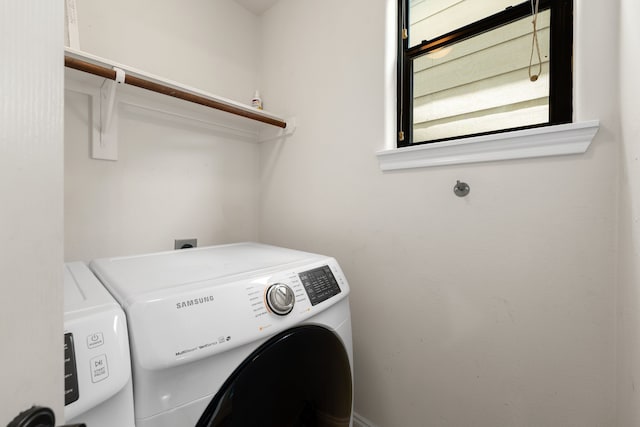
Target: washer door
(299, 378)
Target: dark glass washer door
(299, 378)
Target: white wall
(178, 175)
(31, 365)
(629, 220)
(208, 44)
(493, 310)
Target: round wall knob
(461, 189)
(280, 299)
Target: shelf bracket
(107, 147)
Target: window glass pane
(482, 84)
(433, 18)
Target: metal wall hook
(461, 189)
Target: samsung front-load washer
(97, 367)
(241, 335)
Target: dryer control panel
(71, 393)
(96, 344)
(96, 353)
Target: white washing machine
(236, 335)
(97, 364)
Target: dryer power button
(280, 299)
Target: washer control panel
(219, 315)
(320, 284)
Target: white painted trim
(572, 138)
(360, 421)
(71, 13)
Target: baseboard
(360, 421)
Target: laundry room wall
(207, 44)
(31, 289)
(629, 220)
(497, 309)
(180, 172)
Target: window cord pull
(535, 45)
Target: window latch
(405, 34)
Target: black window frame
(560, 71)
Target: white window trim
(558, 140)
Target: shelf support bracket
(107, 147)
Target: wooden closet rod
(108, 73)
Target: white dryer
(236, 335)
(97, 365)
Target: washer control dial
(280, 299)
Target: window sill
(558, 140)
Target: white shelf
(106, 95)
(96, 60)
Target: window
(475, 67)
